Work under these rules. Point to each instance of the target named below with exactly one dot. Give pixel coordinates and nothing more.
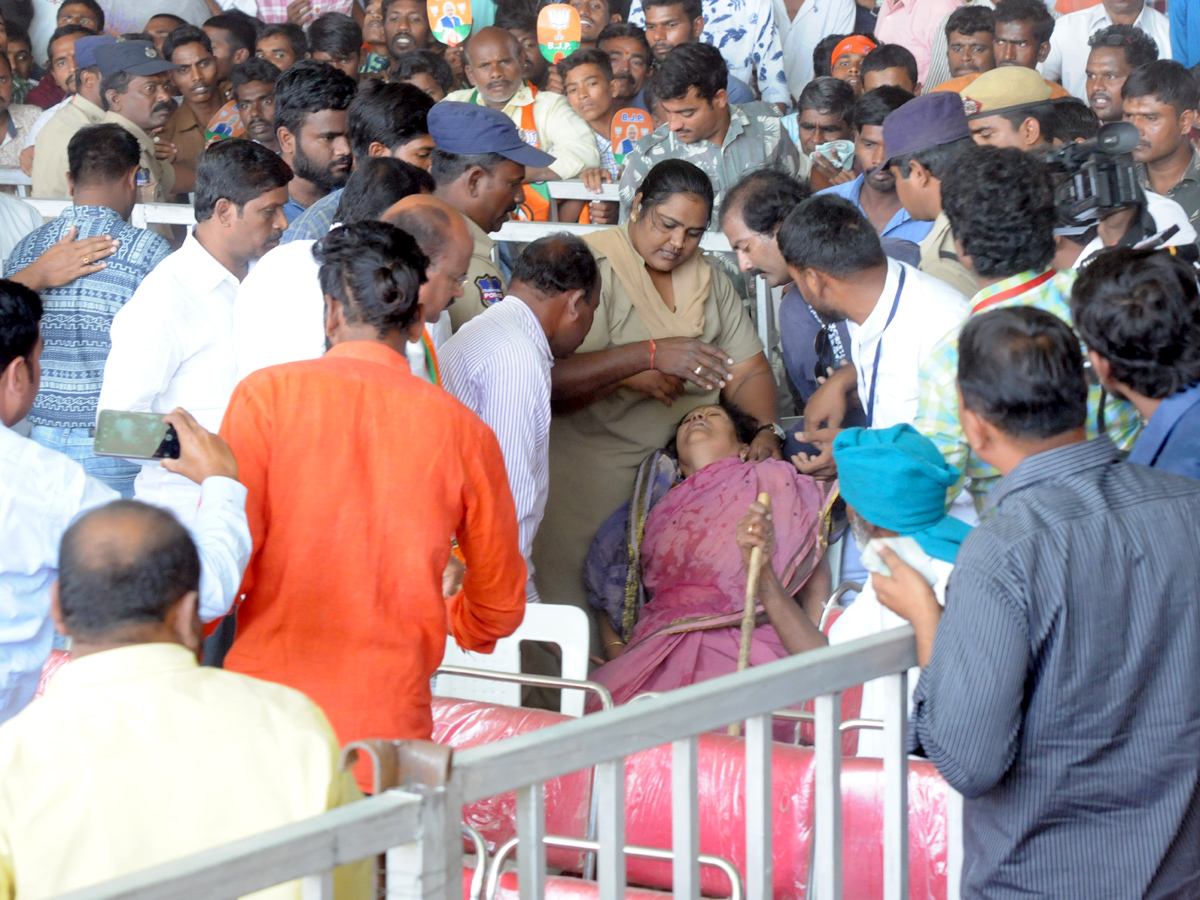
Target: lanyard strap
(1013, 291)
(431, 360)
(879, 350)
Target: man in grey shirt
(1059, 694)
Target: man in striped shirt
(1058, 692)
(499, 364)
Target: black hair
(1033, 11)
(693, 9)
(238, 170)
(241, 28)
(18, 35)
(691, 65)
(389, 113)
(93, 7)
(671, 177)
(556, 264)
(107, 580)
(309, 87)
(650, 92)
(376, 183)
(1042, 113)
(587, 57)
(335, 34)
(294, 34)
(875, 106)
(1001, 207)
(415, 62)
(829, 96)
(1140, 49)
(890, 56)
(375, 271)
(1140, 310)
(831, 235)
(64, 31)
(764, 198)
(971, 19)
(1167, 81)
(1021, 369)
(253, 69)
(185, 34)
(387, 4)
(20, 315)
(745, 426)
(516, 17)
(446, 168)
(1074, 120)
(938, 160)
(174, 18)
(823, 55)
(624, 30)
(102, 154)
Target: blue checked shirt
(78, 315)
(314, 223)
(937, 403)
(745, 33)
(608, 162)
(1060, 698)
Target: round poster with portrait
(450, 20)
(558, 31)
(629, 125)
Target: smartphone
(135, 435)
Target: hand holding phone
(202, 453)
(134, 435)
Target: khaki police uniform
(485, 285)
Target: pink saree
(689, 629)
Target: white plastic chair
(566, 626)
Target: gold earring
(633, 217)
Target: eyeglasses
(462, 281)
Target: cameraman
(1138, 312)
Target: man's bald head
(125, 564)
(493, 64)
(441, 233)
(433, 223)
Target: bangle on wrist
(653, 349)
(610, 643)
(779, 433)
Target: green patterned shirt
(937, 404)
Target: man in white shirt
(895, 313)
(800, 30)
(1067, 60)
(499, 364)
(171, 343)
(278, 316)
(42, 491)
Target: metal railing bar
(346, 834)
(481, 860)
(895, 787)
(685, 818)
(828, 825)
(567, 684)
(531, 854)
(800, 715)
(523, 232)
(760, 856)
(579, 743)
(737, 890)
(954, 844)
(318, 886)
(610, 828)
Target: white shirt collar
(874, 323)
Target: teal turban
(895, 478)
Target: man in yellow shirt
(135, 755)
(545, 120)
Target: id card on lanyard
(879, 350)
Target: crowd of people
(396, 429)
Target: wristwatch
(775, 430)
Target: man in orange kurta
(359, 474)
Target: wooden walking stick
(748, 613)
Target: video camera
(1095, 175)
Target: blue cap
(927, 121)
(465, 128)
(134, 57)
(85, 47)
